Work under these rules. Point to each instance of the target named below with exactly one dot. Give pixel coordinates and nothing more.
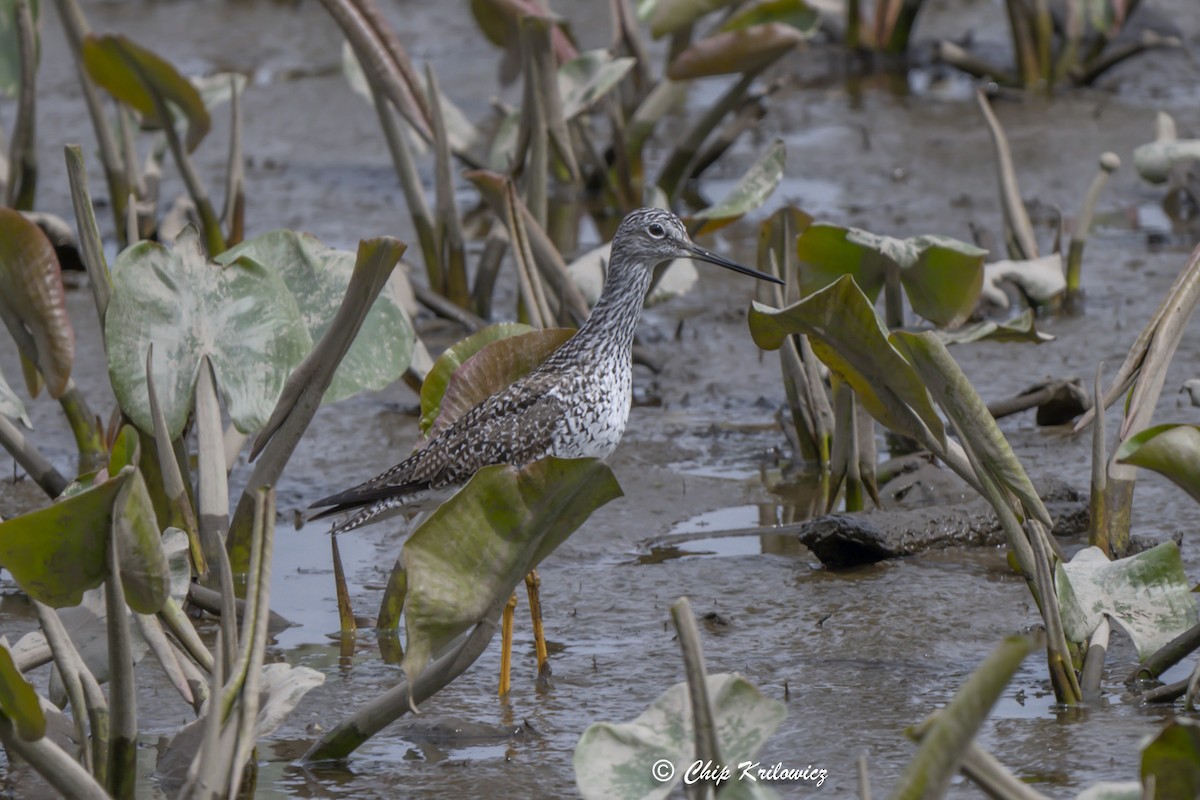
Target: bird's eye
(656, 230)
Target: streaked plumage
(575, 404)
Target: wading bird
(574, 405)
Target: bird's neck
(614, 318)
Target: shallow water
(859, 654)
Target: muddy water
(858, 655)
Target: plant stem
(1109, 163)
(22, 182)
(707, 747)
(89, 438)
(25, 453)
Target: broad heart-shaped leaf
(1148, 594)
(1171, 450)
(941, 276)
(32, 303)
(588, 77)
(846, 334)
(317, 277)
(1172, 760)
(494, 367)
(964, 407)
(1020, 328)
(19, 700)
(738, 51)
(135, 75)
(462, 564)
(10, 52)
(750, 192)
(434, 386)
(241, 316)
(11, 405)
(616, 761)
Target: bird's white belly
(593, 428)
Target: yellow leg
(506, 638)
(533, 585)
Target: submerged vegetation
(213, 337)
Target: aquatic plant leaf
(750, 192)
(283, 687)
(241, 315)
(1156, 160)
(589, 77)
(145, 574)
(496, 365)
(18, 699)
(619, 760)
(1171, 450)
(1172, 760)
(498, 20)
(462, 564)
(434, 386)
(1148, 594)
(742, 50)
(951, 730)
(135, 76)
(10, 58)
(796, 13)
(58, 552)
(11, 405)
(668, 16)
(1020, 328)
(941, 276)
(317, 276)
(846, 334)
(1040, 280)
(32, 303)
(963, 406)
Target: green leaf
(796, 13)
(1172, 760)
(495, 366)
(953, 728)
(847, 335)
(1020, 328)
(10, 58)
(1148, 594)
(145, 574)
(32, 303)
(743, 50)
(19, 700)
(943, 277)
(750, 192)
(434, 386)
(589, 77)
(1171, 450)
(134, 75)
(617, 760)
(671, 15)
(462, 564)
(944, 379)
(241, 315)
(317, 277)
(57, 553)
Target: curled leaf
(32, 302)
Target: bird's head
(650, 236)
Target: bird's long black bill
(697, 252)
